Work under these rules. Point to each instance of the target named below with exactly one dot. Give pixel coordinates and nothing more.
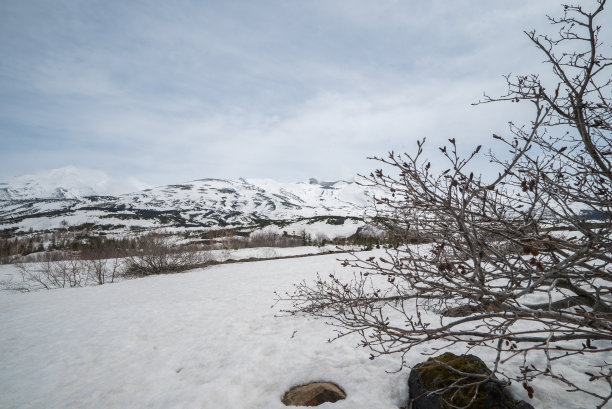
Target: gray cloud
(172, 91)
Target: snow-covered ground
(207, 338)
(271, 252)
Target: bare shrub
(264, 239)
(102, 265)
(272, 239)
(229, 240)
(510, 263)
(52, 273)
(156, 255)
(320, 239)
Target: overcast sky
(170, 91)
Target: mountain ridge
(207, 203)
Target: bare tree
(512, 263)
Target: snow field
(207, 338)
(203, 339)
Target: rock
(313, 394)
(429, 376)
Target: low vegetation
(75, 257)
(100, 260)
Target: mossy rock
(429, 376)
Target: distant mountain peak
(68, 182)
(315, 181)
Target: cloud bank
(173, 91)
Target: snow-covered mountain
(69, 182)
(205, 203)
(64, 183)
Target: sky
(157, 92)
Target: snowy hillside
(262, 198)
(204, 203)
